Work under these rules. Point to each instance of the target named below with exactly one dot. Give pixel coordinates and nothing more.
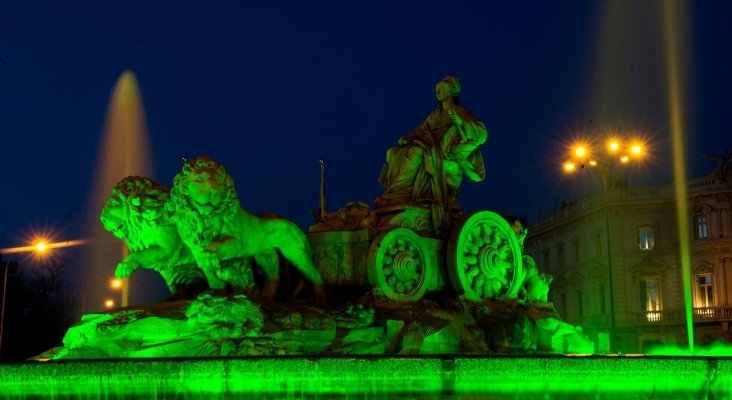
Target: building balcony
(701, 314)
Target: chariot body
(480, 256)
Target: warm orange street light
(116, 283)
(109, 303)
(40, 246)
(580, 151)
(636, 149)
(583, 153)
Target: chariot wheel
(399, 265)
(484, 258)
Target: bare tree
(39, 310)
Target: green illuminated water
(375, 378)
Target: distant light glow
(109, 303)
(116, 283)
(569, 166)
(613, 145)
(41, 247)
(580, 151)
(624, 159)
(593, 163)
(636, 149)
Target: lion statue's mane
(197, 230)
(137, 213)
(225, 231)
(145, 200)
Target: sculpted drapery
(429, 163)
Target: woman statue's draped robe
(429, 163)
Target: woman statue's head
(448, 86)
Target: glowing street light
(580, 151)
(40, 247)
(115, 284)
(636, 149)
(618, 152)
(583, 153)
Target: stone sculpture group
(416, 240)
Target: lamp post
(617, 152)
(40, 247)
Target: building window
(601, 295)
(704, 290)
(561, 260)
(598, 245)
(650, 298)
(645, 238)
(701, 229)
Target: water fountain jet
(674, 49)
(124, 150)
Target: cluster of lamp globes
(584, 154)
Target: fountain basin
(494, 377)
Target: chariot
(480, 257)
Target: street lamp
(617, 152)
(116, 284)
(39, 247)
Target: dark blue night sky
(267, 88)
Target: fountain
(123, 151)
(452, 306)
(674, 60)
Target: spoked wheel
(484, 258)
(400, 265)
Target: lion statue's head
(136, 203)
(203, 196)
(204, 187)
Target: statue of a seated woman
(429, 163)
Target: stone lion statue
(136, 213)
(216, 229)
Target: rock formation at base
(215, 326)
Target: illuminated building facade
(643, 248)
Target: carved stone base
(235, 326)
